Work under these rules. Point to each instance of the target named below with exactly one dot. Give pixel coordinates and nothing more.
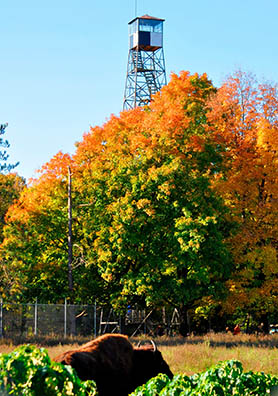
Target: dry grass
(197, 354)
(190, 359)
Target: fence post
(1, 318)
(36, 317)
(95, 319)
(65, 318)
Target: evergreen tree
(4, 167)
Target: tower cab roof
(146, 16)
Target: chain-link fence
(84, 320)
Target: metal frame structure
(146, 75)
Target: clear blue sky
(63, 63)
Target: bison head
(147, 363)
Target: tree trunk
(184, 328)
(248, 324)
(265, 323)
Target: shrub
(224, 379)
(29, 371)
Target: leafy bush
(224, 379)
(29, 371)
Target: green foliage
(10, 187)
(224, 379)
(29, 371)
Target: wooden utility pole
(70, 308)
(70, 279)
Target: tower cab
(146, 33)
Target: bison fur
(114, 364)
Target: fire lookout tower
(146, 65)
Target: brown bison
(114, 364)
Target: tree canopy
(174, 203)
(146, 222)
(245, 114)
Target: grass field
(197, 354)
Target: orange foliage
(38, 197)
(244, 117)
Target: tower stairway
(148, 73)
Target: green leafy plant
(29, 371)
(224, 379)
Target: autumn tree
(244, 117)
(34, 253)
(154, 225)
